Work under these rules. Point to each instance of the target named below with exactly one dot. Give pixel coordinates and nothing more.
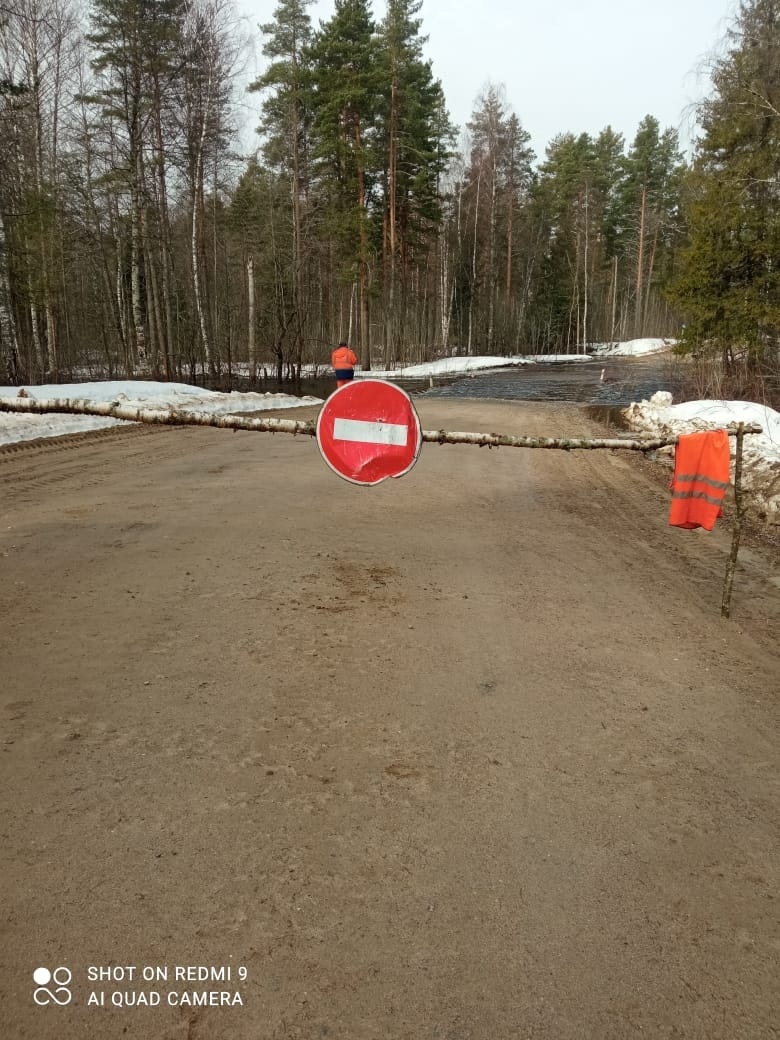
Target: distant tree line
(135, 239)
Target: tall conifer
(286, 126)
(346, 85)
(729, 283)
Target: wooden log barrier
(174, 417)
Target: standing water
(612, 383)
(608, 384)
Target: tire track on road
(85, 458)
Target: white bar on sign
(370, 432)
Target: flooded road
(610, 383)
(614, 383)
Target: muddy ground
(470, 755)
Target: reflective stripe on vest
(717, 487)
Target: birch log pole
(731, 564)
(173, 417)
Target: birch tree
(211, 54)
(36, 64)
(139, 61)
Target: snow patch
(761, 452)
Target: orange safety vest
(701, 478)
(342, 357)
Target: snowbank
(633, 347)
(761, 453)
(450, 366)
(135, 393)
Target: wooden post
(725, 607)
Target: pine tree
(495, 179)
(608, 174)
(516, 168)
(346, 81)
(286, 126)
(562, 207)
(729, 282)
(135, 40)
(205, 95)
(414, 136)
(649, 204)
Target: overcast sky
(566, 65)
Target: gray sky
(566, 65)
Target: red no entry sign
(368, 431)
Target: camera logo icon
(52, 987)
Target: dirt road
(470, 755)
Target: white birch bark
(473, 270)
(492, 274)
(250, 290)
(194, 249)
(9, 342)
(446, 290)
(174, 417)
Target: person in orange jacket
(343, 361)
